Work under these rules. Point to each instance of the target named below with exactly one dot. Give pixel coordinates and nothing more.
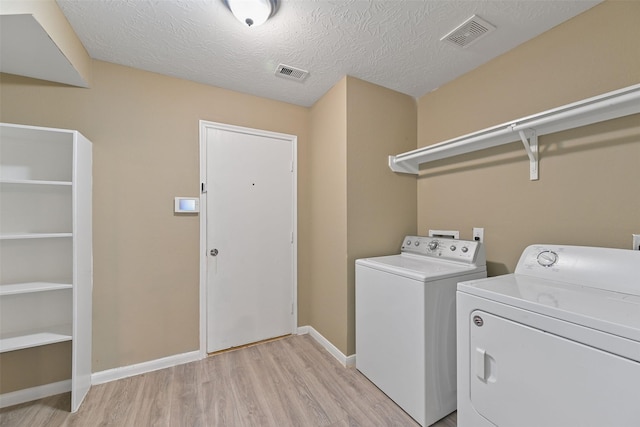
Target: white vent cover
(469, 32)
(291, 73)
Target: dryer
(405, 321)
(556, 343)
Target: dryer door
(521, 376)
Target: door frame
(204, 125)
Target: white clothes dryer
(405, 321)
(555, 344)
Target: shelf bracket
(530, 142)
(403, 167)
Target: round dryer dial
(547, 258)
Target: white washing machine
(405, 321)
(555, 344)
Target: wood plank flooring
(288, 382)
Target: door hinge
(291, 170)
(292, 237)
(203, 187)
(291, 308)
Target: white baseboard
(144, 367)
(34, 393)
(346, 361)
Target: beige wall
(29, 368)
(588, 188)
(381, 205)
(327, 300)
(144, 128)
(358, 206)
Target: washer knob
(408, 242)
(433, 245)
(453, 247)
(417, 243)
(465, 249)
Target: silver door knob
(213, 252)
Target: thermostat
(186, 205)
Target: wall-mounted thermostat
(186, 205)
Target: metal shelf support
(530, 141)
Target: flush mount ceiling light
(252, 12)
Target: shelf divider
(34, 182)
(18, 236)
(35, 338)
(25, 288)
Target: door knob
(213, 252)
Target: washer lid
(418, 267)
(612, 312)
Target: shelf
(611, 105)
(46, 245)
(20, 236)
(34, 182)
(34, 42)
(28, 153)
(25, 288)
(35, 338)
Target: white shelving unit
(46, 244)
(608, 106)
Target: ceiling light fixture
(252, 12)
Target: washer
(405, 321)
(557, 343)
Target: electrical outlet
(478, 234)
(636, 242)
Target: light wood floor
(288, 382)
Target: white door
(521, 376)
(250, 230)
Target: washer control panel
(467, 251)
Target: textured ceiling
(392, 43)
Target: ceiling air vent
(469, 32)
(291, 73)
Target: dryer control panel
(466, 251)
(604, 268)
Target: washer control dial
(453, 247)
(433, 245)
(547, 258)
